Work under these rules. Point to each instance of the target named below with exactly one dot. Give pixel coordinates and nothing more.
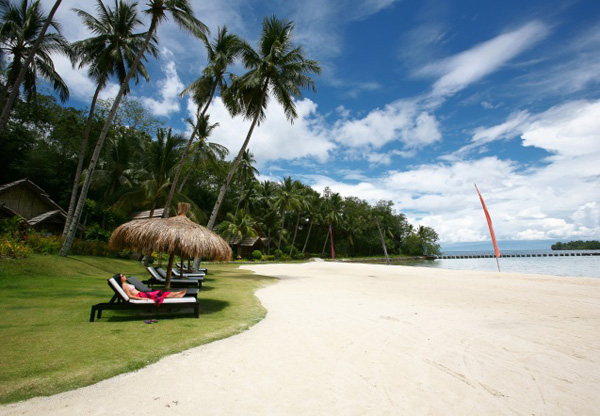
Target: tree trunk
(185, 153)
(84, 143)
(17, 85)
(325, 244)
(307, 236)
(68, 243)
(281, 232)
(295, 232)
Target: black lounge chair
(157, 279)
(199, 277)
(177, 272)
(143, 288)
(120, 301)
(179, 266)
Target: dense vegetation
(139, 163)
(577, 245)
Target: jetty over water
(556, 254)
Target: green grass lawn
(49, 345)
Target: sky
(417, 101)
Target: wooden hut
(244, 248)
(27, 200)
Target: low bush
(257, 255)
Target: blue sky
(417, 101)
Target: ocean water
(579, 266)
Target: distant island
(577, 245)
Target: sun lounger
(120, 301)
(186, 270)
(191, 276)
(157, 279)
(143, 288)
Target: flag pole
(489, 221)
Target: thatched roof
(177, 235)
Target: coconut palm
(246, 173)
(203, 153)
(182, 14)
(288, 199)
(277, 69)
(109, 53)
(221, 53)
(237, 227)
(24, 37)
(333, 215)
(314, 205)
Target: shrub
(257, 254)
(268, 257)
(12, 248)
(298, 256)
(278, 254)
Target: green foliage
(257, 255)
(577, 245)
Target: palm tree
(333, 215)
(158, 161)
(24, 36)
(204, 153)
(221, 54)
(109, 53)
(237, 227)
(288, 198)
(26, 21)
(246, 173)
(277, 68)
(183, 16)
(315, 205)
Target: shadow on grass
(207, 306)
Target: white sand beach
(354, 339)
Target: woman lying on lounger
(156, 295)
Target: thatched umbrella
(175, 235)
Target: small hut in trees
(25, 199)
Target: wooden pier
(486, 256)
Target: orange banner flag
(489, 220)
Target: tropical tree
(158, 161)
(24, 36)
(288, 199)
(183, 16)
(246, 173)
(314, 206)
(333, 215)
(109, 53)
(277, 69)
(204, 154)
(237, 227)
(221, 54)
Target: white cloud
(275, 138)
(459, 71)
(169, 89)
(401, 121)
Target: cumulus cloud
(458, 71)
(275, 138)
(168, 89)
(401, 121)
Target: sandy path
(350, 339)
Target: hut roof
(171, 235)
(158, 213)
(34, 188)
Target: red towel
(156, 295)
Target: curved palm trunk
(325, 244)
(307, 236)
(70, 237)
(17, 85)
(236, 162)
(84, 143)
(185, 153)
(281, 232)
